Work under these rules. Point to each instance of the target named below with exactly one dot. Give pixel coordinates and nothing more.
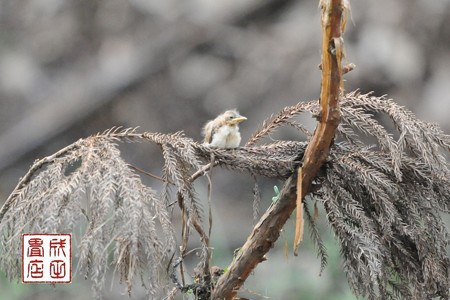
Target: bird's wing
(208, 132)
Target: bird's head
(232, 117)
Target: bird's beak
(238, 120)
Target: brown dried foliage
(383, 201)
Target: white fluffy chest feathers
(226, 137)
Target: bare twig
(203, 236)
(146, 173)
(202, 171)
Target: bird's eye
(230, 117)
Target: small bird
(223, 131)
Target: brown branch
(316, 152)
(267, 231)
(262, 238)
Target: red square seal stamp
(46, 258)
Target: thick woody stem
(267, 231)
(316, 152)
(319, 146)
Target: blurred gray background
(69, 69)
